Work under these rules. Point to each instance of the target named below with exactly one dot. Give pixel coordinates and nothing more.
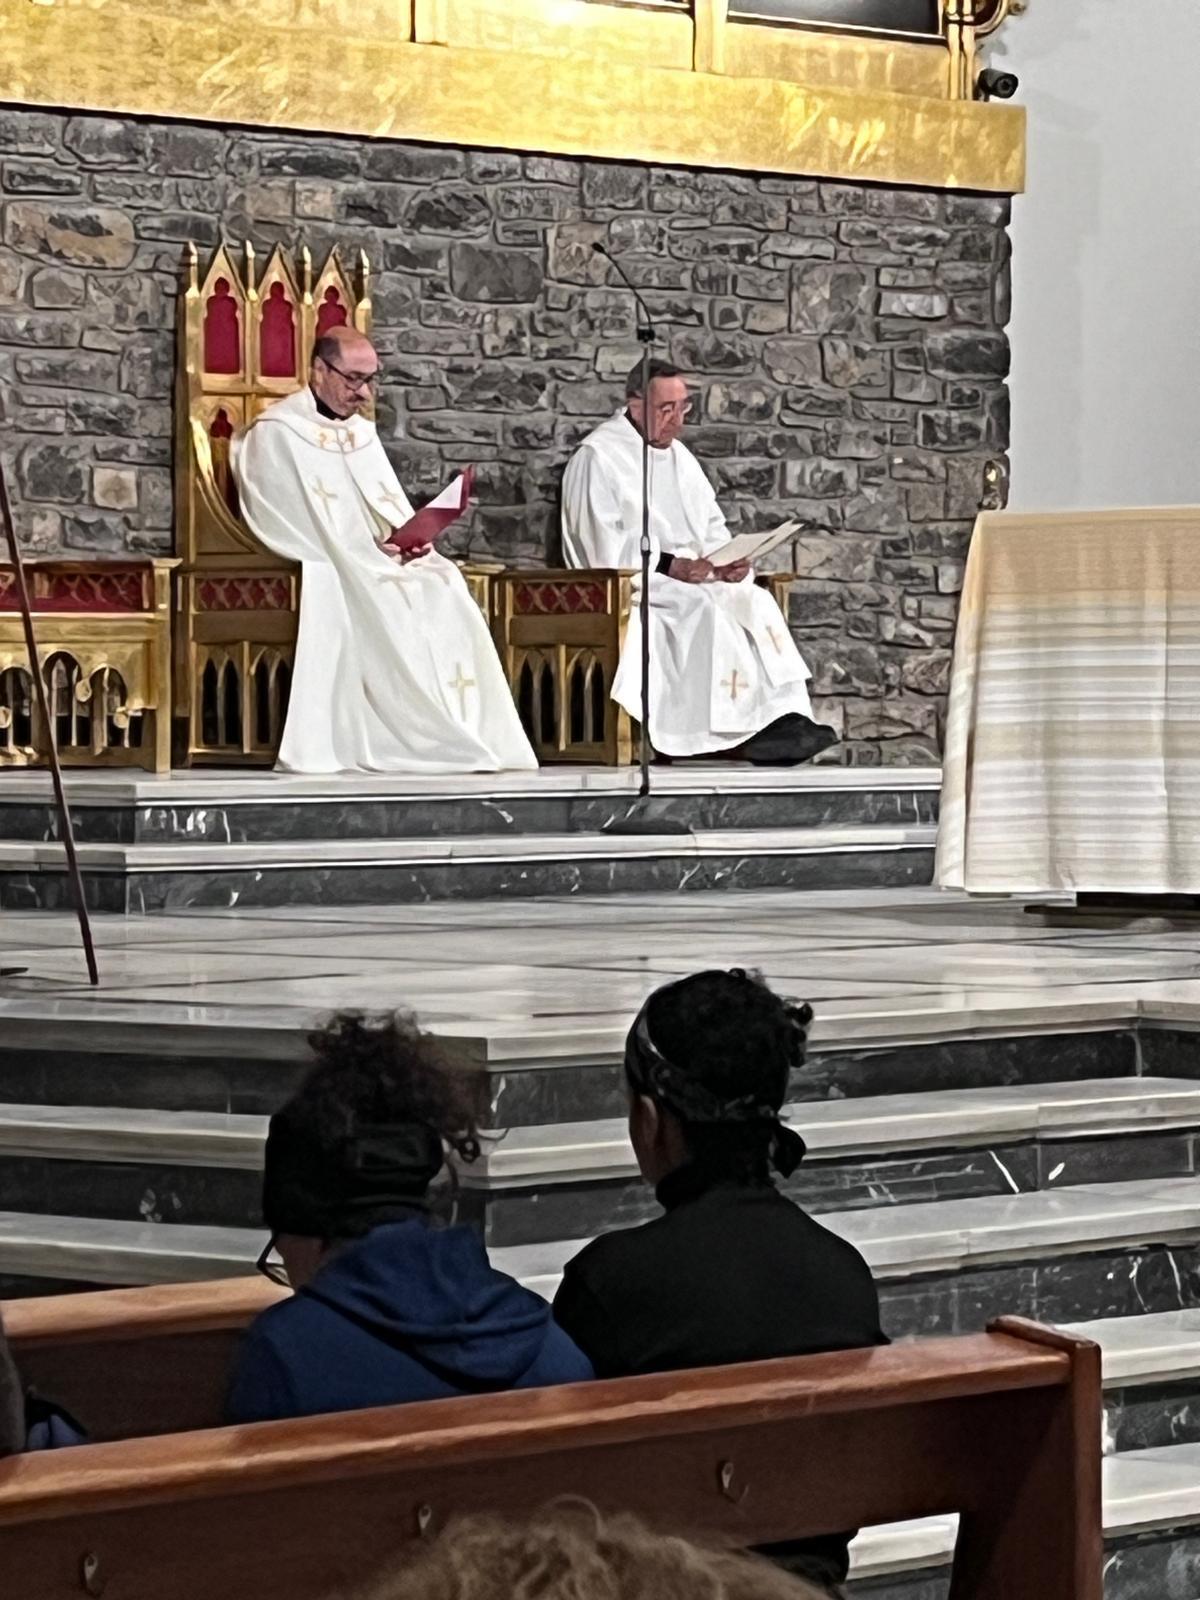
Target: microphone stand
(638, 822)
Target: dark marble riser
(378, 884)
(131, 1192)
(1124, 1281)
(149, 1082)
(933, 1584)
(170, 1192)
(528, 1097)
(463, 816)
(1162, 1565)
(1151, 1416)
(1065, 1288)
(524, 1097)
(537, 1212)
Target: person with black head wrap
(733, 1270)
(389, 1306)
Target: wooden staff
(39, 686)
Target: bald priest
(395, 668)
(726, 678)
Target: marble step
(549, 1181)
(1067, 1255)
(564, 1180)
(135, 878)
(1151, 1524)
(172, 1039)
(1151, 1378)
(1035, 1244)
(227, 808)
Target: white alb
(723, 664)
(395, 668)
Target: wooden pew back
(131, 1363)
(1003, 1427)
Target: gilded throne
(244, 342)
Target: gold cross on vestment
(386, 495)
(325, 495)
(322, 438)
(734, 684)
(774, 638)
(460, 685)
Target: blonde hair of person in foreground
(570, 1552)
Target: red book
(428, 524)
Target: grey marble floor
(552, 978)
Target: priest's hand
(405, 556)
(735, 572)
(689, 571)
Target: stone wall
(847, 343)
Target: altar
(1073, 734)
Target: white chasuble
(395, 668)
(723, 664)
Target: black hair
(734, 1042)
(368, 1130)
(658, 369)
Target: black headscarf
(651, 1073)
(323, 1188)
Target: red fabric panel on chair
(220, 432)
(331, 313)
(277, 339)
(222, 335)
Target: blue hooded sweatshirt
(409, 1312)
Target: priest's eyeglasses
(356, 380)
(271, 1266)
(674, 408)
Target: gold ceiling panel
(571, 27)
(799, 55)
(343, 66)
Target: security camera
(993, 85)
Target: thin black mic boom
(640, 821)
(645, 333)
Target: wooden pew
(130, 1363)
(1003, 1427)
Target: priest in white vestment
(395, 668)
(726, 678)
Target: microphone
(646, 332)
(640, 821)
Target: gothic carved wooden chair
(104, 636)
(243, 343)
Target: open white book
(753, 546)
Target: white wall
(1106, 254)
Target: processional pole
(39, 689)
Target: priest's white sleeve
(596, 528)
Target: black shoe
(787, 742)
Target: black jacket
(729, 1273)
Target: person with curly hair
(388, 1305)
(570, 1552)
(732, 1270)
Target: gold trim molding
(271, 64)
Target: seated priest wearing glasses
(726, 679)
(395, 668)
